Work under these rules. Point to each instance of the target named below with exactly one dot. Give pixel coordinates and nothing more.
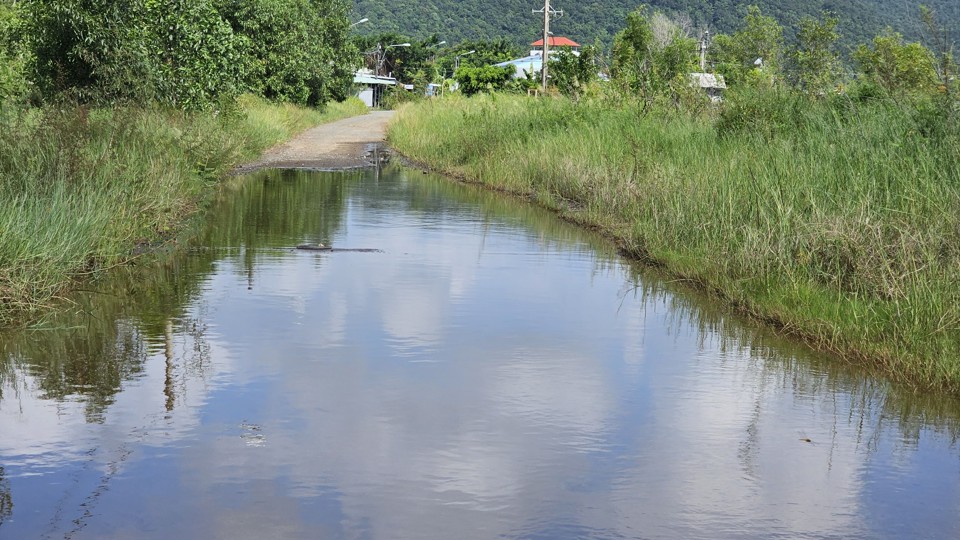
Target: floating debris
(315, 247)
(252, 435)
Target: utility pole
(381, 53)
(547, 10)
(704, 42)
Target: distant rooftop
(708, 80)
(529, 64)
(556, 42)
(366, 76)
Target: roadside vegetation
(117, 119)
(821, 196)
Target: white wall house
(371, 86)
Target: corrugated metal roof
(532, 60)
(363, 78)
(532, 64)
(708, 80)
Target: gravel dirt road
(344, 144)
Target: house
(711, 83)
(372, 86)
(555, 42)
(533, 62)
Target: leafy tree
(754, 52)
(816, 63)
(897, 66)
(418, 63)
(649, 62)
(570, 73)
(193, 52)
(633, 52)
(190, 53)
(179, 52)
(473, 80)
(76, 46)
(333, 24)
(13, 83)
(376, 48)
(946, 65)
(401, 62)
(677, 57)
(486, 52)
(295, 50)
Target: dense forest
(585, 21)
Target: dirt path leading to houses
(344, 144)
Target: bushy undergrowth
(836, 219)
(81, 189)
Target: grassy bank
(836, 221)
(81, 189)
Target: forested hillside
(586, 20)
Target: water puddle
(488, 371)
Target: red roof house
(556, 42)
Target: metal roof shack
(372, 92)
(711, 83)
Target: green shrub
(473, 80)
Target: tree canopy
(585, 21)
(183, 53)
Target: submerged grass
(835, 221)
(82, 189)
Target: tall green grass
(83, 189)
(837, 221)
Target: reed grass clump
(837, 220)
(82, 189)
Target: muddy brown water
(490, 372)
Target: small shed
(372, 86)
(711, 83)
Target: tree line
(585, 21)
(188, 54)
(653, 55)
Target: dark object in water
(321, 247)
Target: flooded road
(490, 372)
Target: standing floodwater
(490, 373)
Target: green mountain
(587, 20)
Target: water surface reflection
(492, 373)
